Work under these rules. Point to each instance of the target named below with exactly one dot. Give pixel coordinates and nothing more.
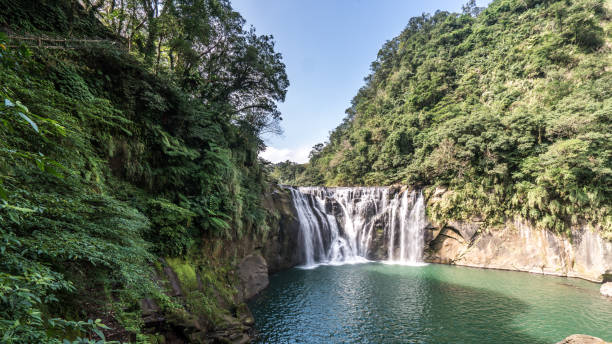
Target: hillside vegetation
(510, 107)
(119, 153)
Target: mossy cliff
(212, 283)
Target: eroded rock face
(606, 289)
(519, 246)
(582, 339)
(516, 245)
(253, 274)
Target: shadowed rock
(253, 274)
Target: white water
(412, 222)
(338, 225)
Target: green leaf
(24, 210)
(100, 325)
(99, 333)
(217, 222)
(21, 106)
(51, 170)
(40, 164)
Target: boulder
(606, 289)
(253, 274)
(582, 339)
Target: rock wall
(519, 246)
(280, 247)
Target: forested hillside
(510, 107)
(114, 153)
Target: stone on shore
(582, 339)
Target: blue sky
(327, 46)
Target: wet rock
(606, 289)
(582, 339)
(281, 249)
(253, 274)
(378, 244)
(242, 340)
(248, 321)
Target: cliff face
(281, 247)
(245, 264)
(228, 272)
(519, 246)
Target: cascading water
(338, 225)
(412, 222)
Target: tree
(471, 9)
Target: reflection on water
(378, 303)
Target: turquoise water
(379, 303)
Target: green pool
(379, 303)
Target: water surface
(380, 303)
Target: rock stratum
(518, 245)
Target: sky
(327, 47)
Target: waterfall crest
(338, 225)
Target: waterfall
(311, 240)
(339, 225)
(412, 222)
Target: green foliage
(111, 157)
(170, 223)
(286, 172)
(509, 107)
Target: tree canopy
(507, 106)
